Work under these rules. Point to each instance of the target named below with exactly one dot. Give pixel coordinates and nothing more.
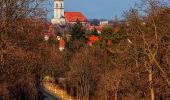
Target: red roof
(74, 16)
(117, 29)
(109, 42)
(61, 43)
(92, 39)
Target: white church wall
(58, 12)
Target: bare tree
(21, 43)
(150, 33)
(86, 70)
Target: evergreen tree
(78, 40)
(78, 32)
(94, 32)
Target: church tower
(58, 12)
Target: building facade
(61, 17)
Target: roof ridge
(73, 16)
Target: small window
(61, 5)
(56, 5)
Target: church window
(61, 5)
(56, 5)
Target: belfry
(58, 13)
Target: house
(104, 23)
(61, 44)
(92, 39)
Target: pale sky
(106, 9)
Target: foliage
(78, 37)
(78, 32)
(109, 34)
(94, 32)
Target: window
(56, 5)
(61, 5)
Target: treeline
(134, 66)
(23, 51)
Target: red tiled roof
(117, 29)
(92, 39)
(109, 42)
(74, 16)
(61, 43)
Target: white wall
(58, 12)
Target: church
(62, 18)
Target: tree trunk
(116, 96)
(151, 84)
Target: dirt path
(57, 91)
